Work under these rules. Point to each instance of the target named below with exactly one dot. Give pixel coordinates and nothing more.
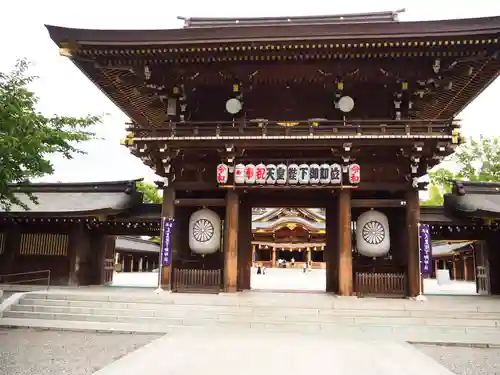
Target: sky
(64, 90)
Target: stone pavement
(245, 353)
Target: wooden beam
(344, 244)
(200, 202)
(375, 203)
(412, 244)
(231, 242)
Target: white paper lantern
(324, 173)
(281, 174)
(335, 174)
(260, 173)
(314, 174)
(271, 174)
(222, 173)
(303, 174)
(354, 173)
(239, 174)
(204, 232)
(372, 234)
(293, 173)
(249, 174)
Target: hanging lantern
(271, 174)
(372, 234)
(204, 232)
(304, 174)
(281, 174)
(324, 173)
(239, 174)
(222, 173)
(314, 174)
(260, 173)
(293, 173)
(354, 173)
(249, 174)
(335, 174)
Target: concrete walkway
(245, 353)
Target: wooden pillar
(344, 243)
(331, 253)
(78, 254)
(245, 248)
(231, 242)
(273, 256)
(412, 242)
(168, 211)
(308, 255)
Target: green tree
(150, 192)
(28, 138)
(477, 160)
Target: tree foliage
(28, 138)
(150, 192)
(476, 160)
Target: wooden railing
(380, 284)
(196, 280)
(261, 127)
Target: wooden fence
(196, 280)
(380, 284)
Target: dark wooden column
(9, 258)
(412, 242)
(331, 255)
(345, 243)
(80, 263)
(231, 242)
(168, 211)
(244, 245)
(493, 242)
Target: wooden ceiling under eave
(115, 60)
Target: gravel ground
(26, 352)
(465, 361)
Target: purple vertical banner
(425, 250)
(166, 242)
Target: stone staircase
(473, 320)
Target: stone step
(439, 335)
(280, 313)
(452, 305)
(294, 326)
(204, 316)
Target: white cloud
(66, 91)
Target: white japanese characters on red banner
(222, 173)
(292, 174)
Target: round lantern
(324, 173)
(281, 174)
(204, 232)
(271, 174)
(293, 173)
(239, 174)
(314, 174)
(260, 173)
(222, 173)
(372, 234)
(304, 174)
(249, 174)
(336, 174)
